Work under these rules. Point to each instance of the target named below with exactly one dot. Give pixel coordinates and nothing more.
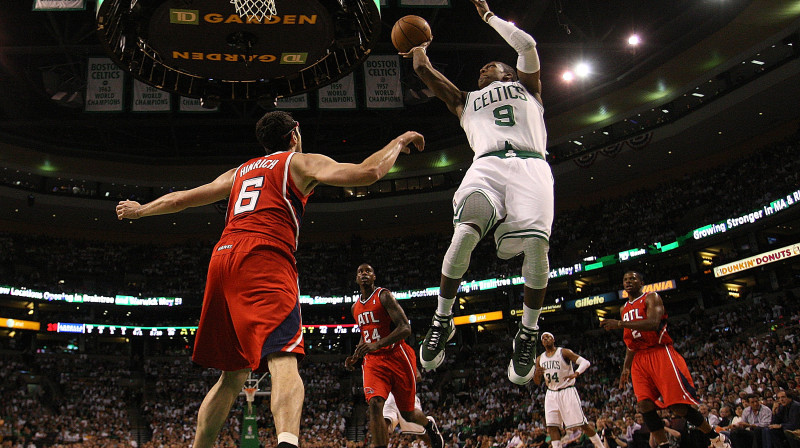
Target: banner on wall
(758, 260)
(147, 98)
(293, 102)
(382, 86)
(59, 5)
(338, 95)
(193, 105)
(105, 83)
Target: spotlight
(634, 40)
(568, 76)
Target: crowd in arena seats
(737, 357)
(658, 213)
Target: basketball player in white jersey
(562, 405)
(509, 185)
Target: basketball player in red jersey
(390, 364)
(658, 372)
(250, 319)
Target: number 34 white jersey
(556, 369)
(501, 113)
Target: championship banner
(249, 429)
(338, 95)
(425, 3)
(59, 5)
(147, 98)
(293, 102)
(382, 86)
(758, 260)
(104, 86)
(193, 105)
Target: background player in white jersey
(562, 405)
(509, 184)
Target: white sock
(530, 317)
(445, 307)
(288, 438)
(596, 440)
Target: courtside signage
(478, 318)
(18, 324)
(591, 301)
(89, 298)
(757, 260)
(775, 206)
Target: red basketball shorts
(660, 374)
(392, 371)
(251, 306)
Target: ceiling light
(757, 62)
(582, 69)
(634, 40)
(568, 76)
(699, 95)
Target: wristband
(486, 19)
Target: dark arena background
(676, 154)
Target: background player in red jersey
(659, 373)
(251, 311)
(390, 364)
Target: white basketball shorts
(521, 191)
(562, 408)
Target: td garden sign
(212, 41)
(205, 49)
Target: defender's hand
(128, 209)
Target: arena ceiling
(45, 52)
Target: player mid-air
(509, 184)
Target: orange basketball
(409, 32)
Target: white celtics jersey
(503, 116)
(556, 369)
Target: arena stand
(93, 393)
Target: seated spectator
(785, 418)
(749, 432)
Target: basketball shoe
(437, 440)
(431, 353)
(722, 441)
(521, 367)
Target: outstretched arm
(177, 201)
(310, 169)
(442, 87)
(528, 67)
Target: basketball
(409, 32)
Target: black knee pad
(652, 420)
(694, 417)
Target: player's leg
(216, 406)
(653, 421)
(592, 435)
(555, 436)
(287, 397)
(475, 214)
(432, 433)
(526, 229)
(377, 426)
(694, 417)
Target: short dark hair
(272, 130)
(751, 396)
(509, 69)
(638, 274)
